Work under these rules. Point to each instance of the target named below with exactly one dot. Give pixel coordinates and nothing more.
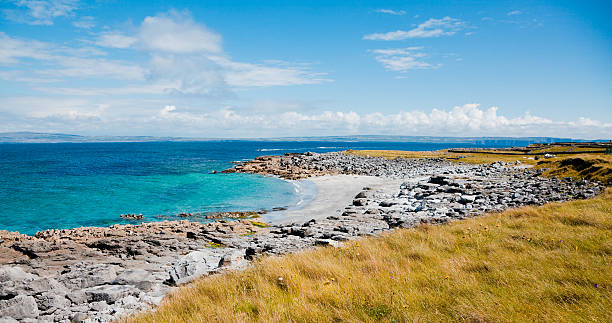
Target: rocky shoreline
(98, 274)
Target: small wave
(306, 190)
(296, 187)
(270, 149)
(329, 147)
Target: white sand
(334, 193)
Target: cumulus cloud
(392, 12)
(40, 12)
(144, 117)
(446, 26)
(402, 59)
(465, 120)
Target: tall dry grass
(547, 264)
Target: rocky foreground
(98, 274)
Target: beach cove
(102, 273)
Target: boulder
(465, 199)
(108, 293)
(440, 180)
(360, 202)
(194, 265)
(77, 297)
(139, 278)
(234, 259)
(387, 203)
(49, 302)
(361, 195)
(79, 277)
(8, 273)
(19, 307)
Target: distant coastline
(41, 137)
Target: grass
(589, 166)
(547, 264)
(260, 224)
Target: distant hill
(40, 137)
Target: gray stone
(194, 265)
(77, 297)
(20, 307)
(94, 275)
(44, 284)
(387, 203)
(48, 302)
(9, 273)
(139, 278)
(108, 293)
(78, 317)
(236, 258)
(465, 199)
(98, 306)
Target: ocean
(67, 185)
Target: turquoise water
(56, 186)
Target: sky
(252, 69)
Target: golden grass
(589, 166)
(547, 264)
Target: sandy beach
(334, 193)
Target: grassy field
(550, 264)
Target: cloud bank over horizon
(461, 121)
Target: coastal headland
(100, 274)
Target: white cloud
(246, 74)
(115, 40)
(40, 12)
(189, 74)
(465, 120)
(146, 117)
(514, 13)
(185, 58)
(392, 12)
(77, 67)
(13, 49)
(55, 62)
(446, 26)
(190, 56)
(177, 33)
(402, 59)
(85, 22)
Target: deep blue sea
(67, 185)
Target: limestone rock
(20, 307)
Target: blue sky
(280, 68)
